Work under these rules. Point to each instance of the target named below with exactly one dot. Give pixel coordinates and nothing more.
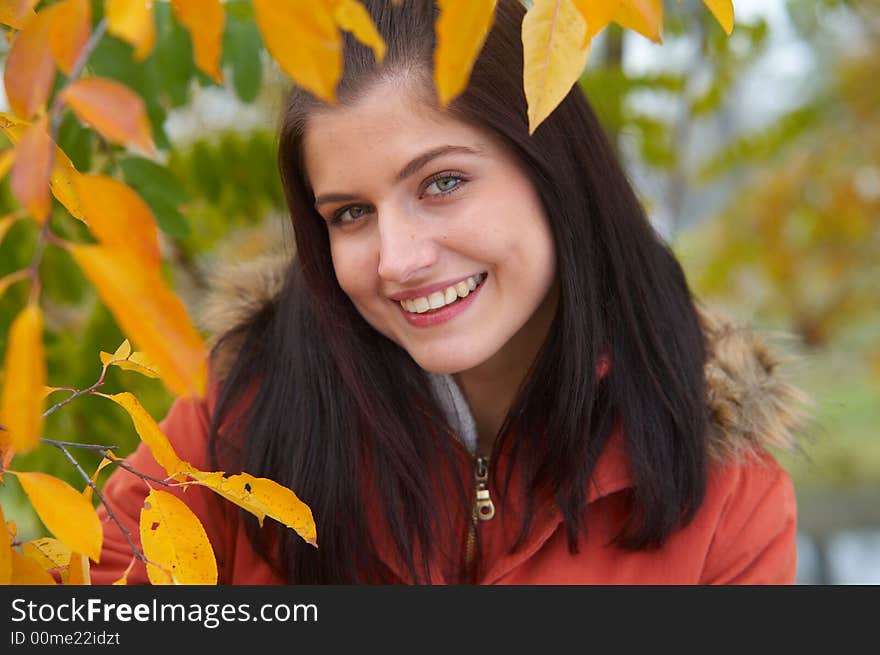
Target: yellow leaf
(151, 434)
(63, 171)
(6, 222)
(7, 157)
(49, 553)
(461, 31)
(78, 571)
(597, 14)
(204, 19)
(16, 13)
(5, 551)
(175, 542)
(87, 492)
(32, 170)
(21, 405)
(553, 36)
(114, 110)
(119, 218)
(27, 572)
(150, 314)
(132, 21)
(723, 12)
(353, 17)
(137, 362)
(63, 510)
(69, 29)
(642, 16)
(262, 497)
(314, 58)
(30, 70)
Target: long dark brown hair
(343, 416)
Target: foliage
(97, 196)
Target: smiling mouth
(439, 299)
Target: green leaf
(76, 141)
(241, 50)
(162, 191)
(174, 57)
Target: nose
(407, 247)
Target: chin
(446, 363)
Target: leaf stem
(103, 500)
(77, 394)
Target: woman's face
(437, 235)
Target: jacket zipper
(483, 510)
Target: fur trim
(751, 406)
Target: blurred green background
(757, 157)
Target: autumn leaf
(78, 571)
(132, 21)
(262, 497)
(151, 434)
(87, 492)
(461, 29)
(314, 58)
(723, 12)
(175, 542)
(16, 13)
(5, 551)
(7, 157)
(32, 170)
(21, 405)
(205, 20)
(642, 16)
(149, 314)
(597, 14)
(119, 218)
(63, 171)
(69, 28)
(64, 511)
(553, 34)
(125, 359)
(30, 70)
(353, 17)
(114, 110)
(27, 572)
(50, 554)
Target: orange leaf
(69, 30)
(78, 572)
(30, 70)
(5, 551)
(353, 17)
(119, 218)
(176, 543)
(7, 158)
(553, 36)
(597, 14)
(65, 512)
(149, 314)
(132, 21)
(151, 434)
(204, 19)
(16, 13)
(87, 492)
(25, 571)
(63, 171)
(32, 171)
(313, 59)
(127, 360)
(723, 12)
(49, 553)
(461, 30)
(21, 405)
(262, 497)
(642, 16)
(113, 109)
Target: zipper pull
(483, 505)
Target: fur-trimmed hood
(751, 405)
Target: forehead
(386, 127)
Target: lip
(428, 290)
(444, 314)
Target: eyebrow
(412, 167)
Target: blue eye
(443, 184)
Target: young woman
(482, 365)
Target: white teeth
(440, 299)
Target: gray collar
(454, 405)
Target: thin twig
(142, 476)
(77, 394)
(70, 444)
(103, 500)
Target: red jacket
(743, 533)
